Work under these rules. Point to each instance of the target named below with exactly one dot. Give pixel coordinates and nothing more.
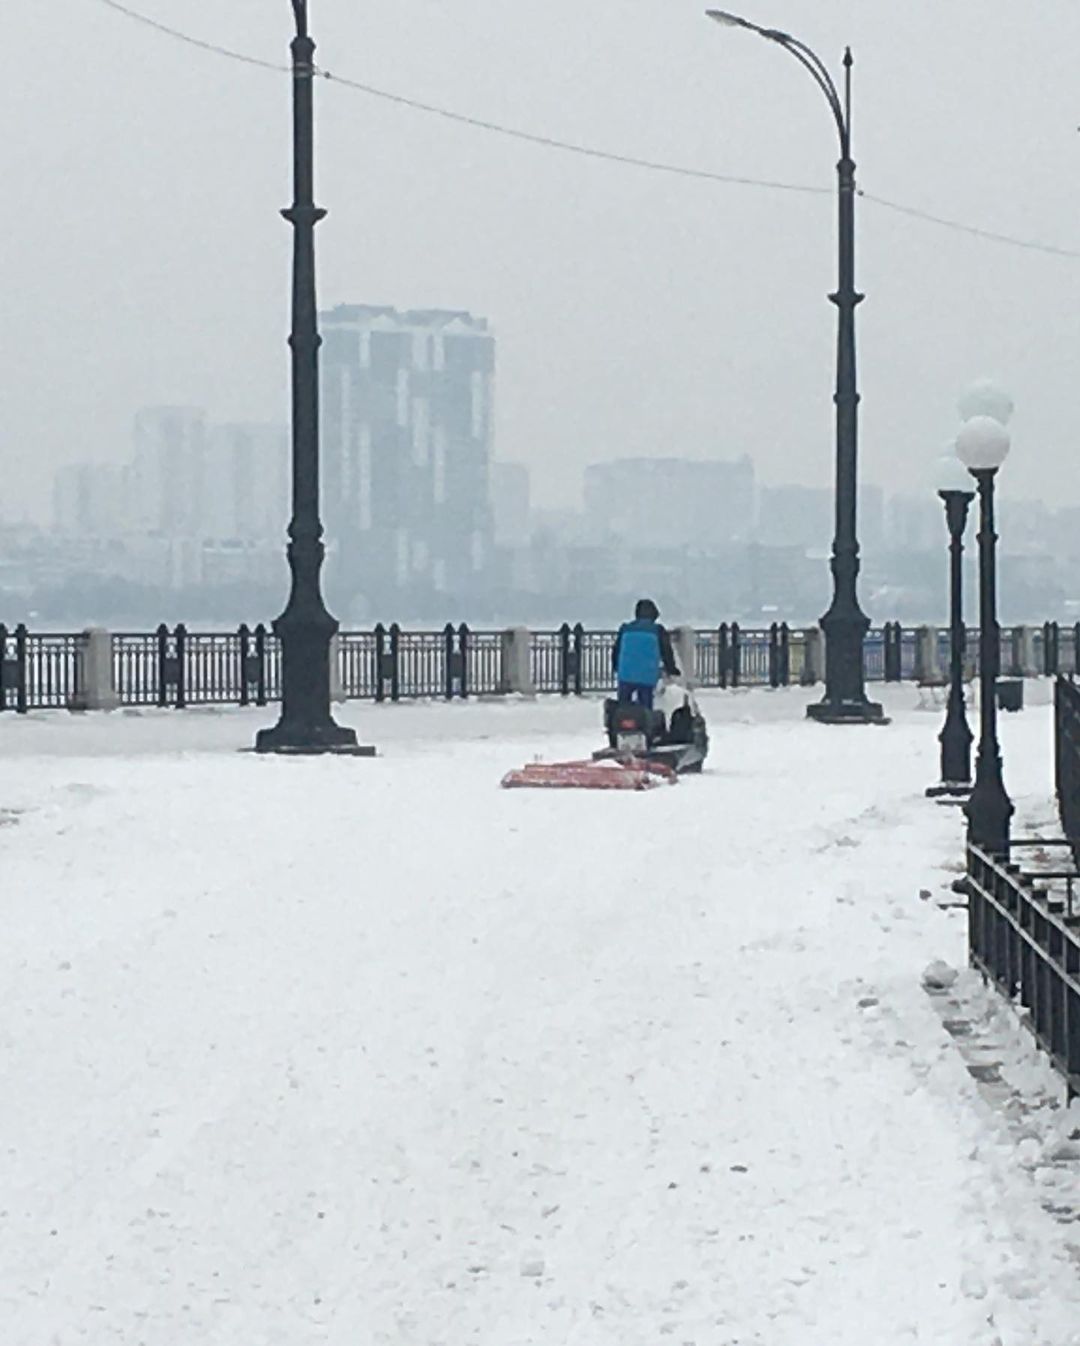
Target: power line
(655, 165)
(194, 41)
(988, 234)
(588, 151)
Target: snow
(358, 1052)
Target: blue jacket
(642, 648)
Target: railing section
(1024, 936)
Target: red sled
(623, 773)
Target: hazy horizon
(636, 313)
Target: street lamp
(305, 628)
(955, 737)
(982, 446)
(845, 624)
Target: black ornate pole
(845, 624)
(305, 628)
(989, 809)
(955, 736)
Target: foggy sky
(143, 259)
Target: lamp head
(985, 398)
(723, 17)
(950, 475)
(982, 444)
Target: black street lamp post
(982, 445)
(955, 737)
(845, 624)
(305, 628)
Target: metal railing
(39, 671)
(176, 667)
(1067, 759)
(1024, 937)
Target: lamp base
(305, 740)
(847, 712)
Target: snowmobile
(680, 742)
(645, 748)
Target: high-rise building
(702, 503)
(93, 500)
(796, 516)
(407, 428)
(246, 478)
(511, 504)
(169, 471)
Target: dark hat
(646, 610)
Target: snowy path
(372, 1052)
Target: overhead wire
(587, 151)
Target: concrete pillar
(337, 687)
(517, 662)
(813, 669)
(97, 690)
(684, 643)
(927, 661)
(1029, 665)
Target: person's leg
(645, 697)
(625, 693)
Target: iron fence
(176, 667)
(1024, 937)
(1067, 759)
(39, 671)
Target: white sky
(637, 313)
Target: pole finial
(849, 60)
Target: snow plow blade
(625, 774)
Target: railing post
(927, 663)
(1016, 652)
(1050, 649)
(95, 684)
(338, 691)
(463, 655)
(380, 654)
(893, 633)
(395, 662)
(260, 656)
(20, 668)
(736, 655)
(722, 649)
(243, 640)
(774, 656)
(1076, 649)
(579, 659)
(448, 661)
(564, 659)
(1029, 665)
(3, 666)
(162, 634)
(684, 647)
(813, 657)
(785, 655)
(181, 666)
(516, 662)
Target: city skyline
(640, 313)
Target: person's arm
(667, 654)
(615, 650)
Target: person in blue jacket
(642, 651)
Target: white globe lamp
(982, 444)
(950, 474)
(985, 398)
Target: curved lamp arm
(300, 10)
(810, 61)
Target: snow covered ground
(358, 1052)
